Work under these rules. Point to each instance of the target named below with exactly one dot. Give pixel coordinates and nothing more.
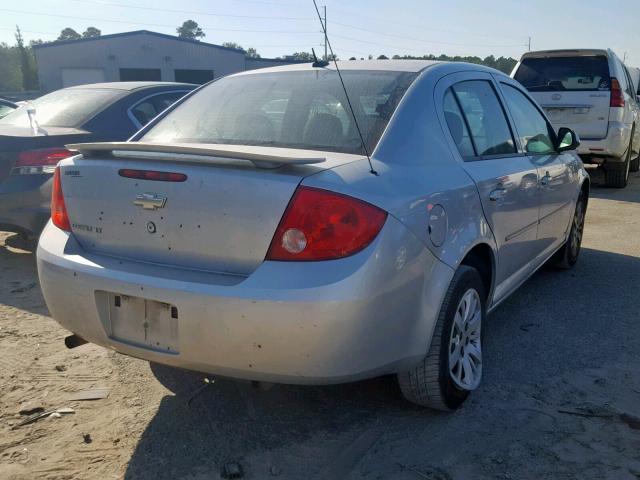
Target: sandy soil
(560, 398)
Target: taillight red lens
(59, 215)
(152, 175)
(322, 225)
(42, 158)
(617, 95)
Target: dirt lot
(560, 397)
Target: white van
(591, 92)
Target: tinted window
(457, 125)
(304, 109)
(64, 108)
(485, 117)
(564, 73)
(532, 127)
(146, 110)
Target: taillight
(322, 225)
(39, 161)
(617, 95)
(59, 215)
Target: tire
(432, 383)
(634, 166)
(567, 256)
(616, 175)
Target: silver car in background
(592, 92)
(244, 233)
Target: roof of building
(134, 85)
(132, 34)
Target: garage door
(80, 76)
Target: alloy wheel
(577, 229)
(465, 346)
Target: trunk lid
(221, 218)
(587, 113)
(16, 139)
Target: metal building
(138, 55)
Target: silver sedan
(245, 232)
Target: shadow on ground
(560, 313)
(18, 265)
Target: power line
(415, 39)
(418, 27)
(93, 19)
(189, 12)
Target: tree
(27, 64)
(91, 32)
(303, 57)
(383, 57)
(233, 45)
(69, 34)
(251, 53)
(190, 30)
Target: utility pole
(325, 33)
(529, 43)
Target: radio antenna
(346, 94)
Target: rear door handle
(497, 194)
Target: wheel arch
(482, 257)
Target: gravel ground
(560, 398)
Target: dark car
(32, 139)
(6, 107)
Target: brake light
(152, 175)
(322, 225)
(59, 215)
(617, 95)
(39, 161)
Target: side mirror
(567, 140)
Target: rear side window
(533, 129)
(551, 74)
(486, 118)
(457, 126)
(146, 110)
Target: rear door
(558, 171)
(574, 90)
(506, 180)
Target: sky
(356, 28)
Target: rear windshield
(63, 108)
(306, 110)
(564, 74)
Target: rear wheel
(635, 165)
(453, 365)
(567, 256)
(617, 174)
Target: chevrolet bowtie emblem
(150, 201)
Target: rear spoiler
(261, 157)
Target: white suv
(591, 92)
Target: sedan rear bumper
(288, 322)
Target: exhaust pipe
(73, 341)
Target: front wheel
(453, 365)
(567, 256)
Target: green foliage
(303, 56)
(69, 34)
(233, 45)
(191, 30)
(504, 64)
(91, 32)
(251, 53)
(18, 66)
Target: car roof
(581, 52)
(351, 65)
(130, 86)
